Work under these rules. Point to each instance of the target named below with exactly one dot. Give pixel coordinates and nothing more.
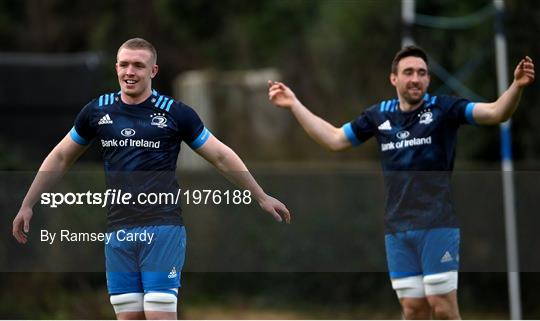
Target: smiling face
(411, 80)
(135, 69)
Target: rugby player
(417, 135)
(140, 131)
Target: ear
(155, 69)
(116, 67)
(393, 79)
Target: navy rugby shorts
(145, 258)
(422, 252)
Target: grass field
(247, 311)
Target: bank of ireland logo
(159, 120)
(127, 132)
(402, 134)
(426, 118)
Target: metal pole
(512, 252)
(407, 16)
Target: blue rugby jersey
(140, 145)
(417, 155)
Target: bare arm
(52, 169)
(502, 109)
(231, 166)
(324, 133)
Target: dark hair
(408, 51)
(139, 43)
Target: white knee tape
(160, 301)
(409, 287)
(441, 283)
(127, 302)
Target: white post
(195, 89)
(407, 16)
(512, 250)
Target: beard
(413, 100)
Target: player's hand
(524, 73)
(277, 209)
(21, 224)
(281, 95)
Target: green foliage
(335, 54)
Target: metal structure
(410, 18)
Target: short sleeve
(457, 109)
(359, 130)
(83, 132)
(191, 129)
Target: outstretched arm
(53, 167)
(318, 129)
(232, 167)
(502, 109)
